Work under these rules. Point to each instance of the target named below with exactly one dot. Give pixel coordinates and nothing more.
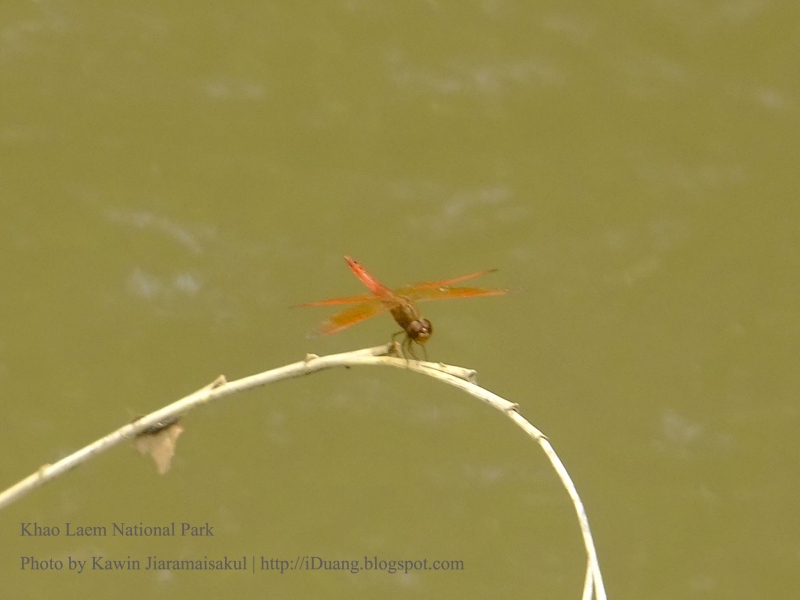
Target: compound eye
(428, 327)
(419, 331)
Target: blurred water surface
(174, 178)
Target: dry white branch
(380, 355)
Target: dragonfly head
(419, 330)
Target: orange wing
(347, 317)
(368, 279)
(409, 289)
(379, 291)
(442, 290)
(335, 301)
(443, 293)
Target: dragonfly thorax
(407, 315)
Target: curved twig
(459, 377)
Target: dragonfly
(400, 303)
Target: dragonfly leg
(407, 345)
(400, 348)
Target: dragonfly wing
(335, 301)
(350, 316)
(443, 293)
(368, 279)
(410, 290)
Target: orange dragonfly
(401, 303)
